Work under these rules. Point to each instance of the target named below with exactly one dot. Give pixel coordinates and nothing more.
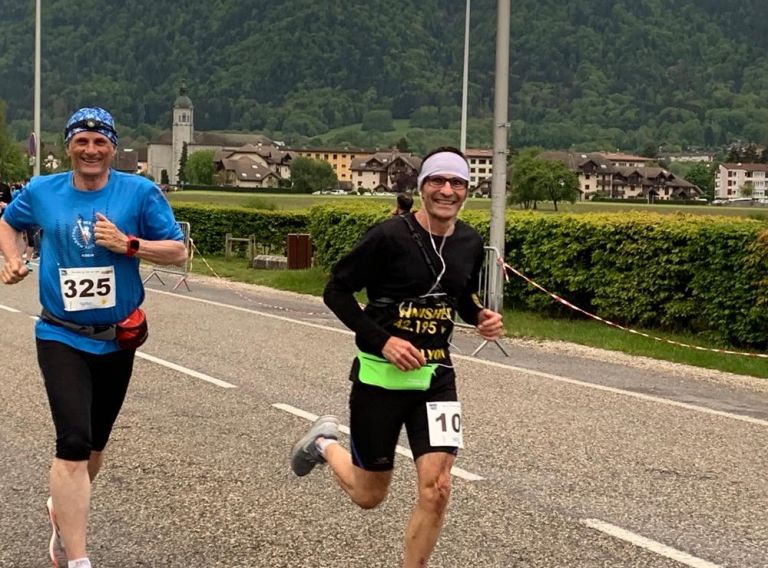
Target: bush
(210, 224)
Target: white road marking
(641, 396)
(456, 471)
(250, 311)
(575, 382)
(186, 371)
(648, 544)
(9, 309)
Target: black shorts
(377, 415)
(85, 392)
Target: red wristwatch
(133, 246)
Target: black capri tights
(85, 392)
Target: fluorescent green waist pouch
(381, 373)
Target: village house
(385, 171)
(623, 176)
(480, 166)
(340, 159)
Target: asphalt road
(584, 460)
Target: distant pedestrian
(403, 204)
(5, 195)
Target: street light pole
(465, 84)
(36, 167)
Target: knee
(435, 495)
(73, 447)
(370, 500)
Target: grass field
(302, 201)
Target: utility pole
(500, 137)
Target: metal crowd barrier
(491, 290)
(179, 270)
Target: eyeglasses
(438, 182)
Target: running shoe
(55, 547)
(305, 455)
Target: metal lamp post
(465, 83)
(36, 126)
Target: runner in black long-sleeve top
(419, 270)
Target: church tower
(182, 130)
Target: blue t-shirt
(67, 217)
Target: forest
(639, 75)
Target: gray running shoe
(56, 546)
(305, 455)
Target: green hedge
(679, 272)
(211, 223)
(683, 272)
(335, 229)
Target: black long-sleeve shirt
(388, 263)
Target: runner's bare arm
(110, 237)
(11, 245)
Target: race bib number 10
(87, 288)
(444, 420)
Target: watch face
(134, 244)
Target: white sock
(322, 443)
(79, 563)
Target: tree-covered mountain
(630, 74)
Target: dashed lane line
(163, 362)
(456, 471)
(549, 376)
(648, 544)
(186, 370)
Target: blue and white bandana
(91, 119)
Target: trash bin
(299, 251)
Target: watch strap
(133, 246)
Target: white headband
(444, 163)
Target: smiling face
(91, 154)
(442, 196)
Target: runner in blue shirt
(97, 224)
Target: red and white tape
(616, 325)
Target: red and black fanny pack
(131, 333)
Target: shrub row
(210, 224)
(679, 272)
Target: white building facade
(735, 180)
